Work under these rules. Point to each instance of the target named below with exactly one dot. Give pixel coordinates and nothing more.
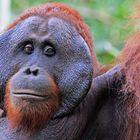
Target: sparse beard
(28, 117)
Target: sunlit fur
(68, 14)
(130, 62)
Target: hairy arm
(102, 86)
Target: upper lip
(28, 94)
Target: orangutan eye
(28, 48)
(49, 50)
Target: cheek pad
(6, 69)
(74, 85)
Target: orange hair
(66, 13)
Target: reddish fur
(130, 59)
(130, 62)
(66, 13)
(30, 117)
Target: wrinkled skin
(70, 68)
(94, 114)
(47, 74)
(68, 64)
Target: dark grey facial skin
(93, 119)
(71, 65)
(85, 110)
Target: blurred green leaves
(107, 20)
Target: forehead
(43, 26)
(52, 29)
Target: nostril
(35, 72)
(28, 71)
(31, 71)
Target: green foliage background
(107, 19)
